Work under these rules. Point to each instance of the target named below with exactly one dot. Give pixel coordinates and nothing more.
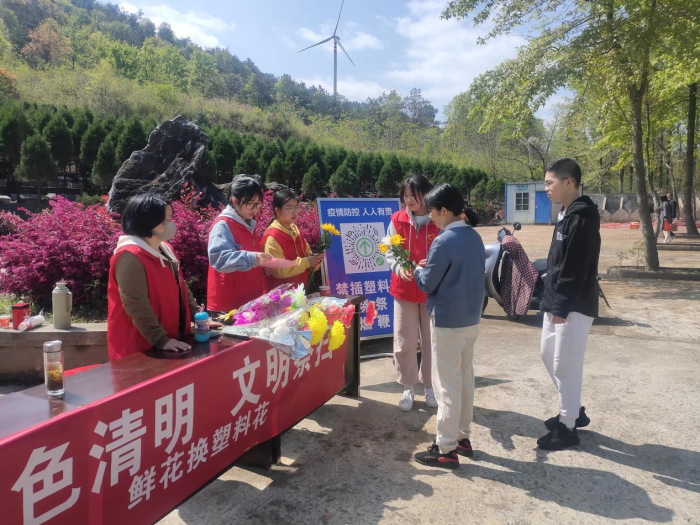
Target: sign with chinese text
(355, 264)
(131, 457)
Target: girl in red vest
(235, 254)
(149, 302)
(283, 240)
(411, 320)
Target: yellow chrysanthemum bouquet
(328, 231)
(394, 244)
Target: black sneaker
(433, 458)
(559, 438)
(581, 421)
(464, 448)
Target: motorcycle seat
(540, 265)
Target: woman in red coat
(411, 320)
(149, 302)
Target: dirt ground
(639, 461)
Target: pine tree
(276, 171)
(345, 182)
(389, 178)
(60, 140)
(90, 145)
(105, 167)
(132, 138)
(248, 163)
(36, 164)
(314, 182)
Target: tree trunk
(631, 179)
(636, 96)
(689, 199)
(622, 180)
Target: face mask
(169, 232)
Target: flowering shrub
(190, 241)
(68, 241)
(307, 222)
(9, 223)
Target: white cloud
(348, 86)
(198, 26)
(442, 56)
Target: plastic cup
(324, 291)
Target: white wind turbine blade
(346, 53)
(321, 42)
(338, 22)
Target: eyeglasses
(292, 209)
(252, 205)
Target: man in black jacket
(570, 299)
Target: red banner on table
(133, 456)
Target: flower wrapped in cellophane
(295, 331)
(277, 301)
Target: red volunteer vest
(292, 249)
(227, 291)
(418, 242)
(123, 338)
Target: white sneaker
(406, 403)
(430, 398)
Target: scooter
(497, 256)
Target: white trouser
(667, 237)
(563, 350)
(453, 382)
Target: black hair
(664, 198)
(472, 217)
(281, 197)
(447, 196)
(417, 183)
(565, 168)
(245, 187)
(143, 213)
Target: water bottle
(201, 327)
(62, 300)
(53, 369)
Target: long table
(134, 438)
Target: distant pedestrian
(665, 219)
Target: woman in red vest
(149, 302)
(235, 254)
(283, 240)
(411, 320)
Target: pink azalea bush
(68, 241)
(74, 242)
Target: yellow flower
(383, 248)
(328, 227)
(397, 240)
(337, 336)
(229, 315)
(303, 318)
(318, 324)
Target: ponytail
(472, 218)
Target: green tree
(248, 163)
(495, 189)
(364, 170)
(36, 164)
(276, 171)
(106, 166)
(296, 167)
(132, 138)
(60, 140)
(90, 145)
(314, 155)
(225, 153)
(14, 129)
(344, 182)
(390, 177)
(314, 182)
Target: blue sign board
(355, 264)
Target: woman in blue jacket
(453, 279)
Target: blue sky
(394, 44)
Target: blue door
(542, 208)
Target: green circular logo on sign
(364, 247)
(379, 261)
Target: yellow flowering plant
(318, 324)
(336, 336)
(394, 244)
(328, 231)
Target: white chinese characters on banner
(184, 416)
(56, 476)
(246, 386)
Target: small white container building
(527, 203)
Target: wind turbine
(336, 43)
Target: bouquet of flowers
(327, 233)
(394, 244)
(273, 303)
